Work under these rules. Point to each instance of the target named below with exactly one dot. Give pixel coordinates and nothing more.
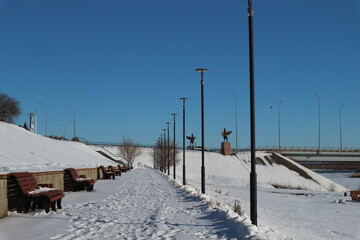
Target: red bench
(79, 182)
(123, 168)
(107, 174)
(116, 171)
(39, 195)
(355, 195)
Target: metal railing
(258, 148)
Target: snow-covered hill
(21, 150)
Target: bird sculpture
(225, 134)
(191, 138)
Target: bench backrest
(72, 173)
(26, 181)
(103, 169)
(111, 168)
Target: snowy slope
(23, 150)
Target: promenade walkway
(141, 204)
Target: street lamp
(279, 127)
(184, 179)
(318, 98)
(168, 148)
(174, 114)
(340, 125)
(202, 70)
(74, 120)
(253, 191)
(46, 117)
(164, 152)
(236, 121)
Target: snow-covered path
(148, 206)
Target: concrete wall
(55, 177)
(3, 196)
(89, 173)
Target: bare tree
(129, 151)
(161, 153)
(9, 108)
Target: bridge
(326, 158)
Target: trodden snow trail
(148, 206)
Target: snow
(41, 190)
(22, 150)
(147, 204)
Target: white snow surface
(147, 204)
(21, 150)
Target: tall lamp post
(279, 126)
(236, 121)
(202, 70)
(164, 151)
(174, 114)
(74, 120)
(253, 187)
(168, 149)
(46, 117)
(184, 179)
(340, 125)
(318, 98)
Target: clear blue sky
(122, 65)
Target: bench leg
(47, 206)
(90, 188)
(27, 205)
(58, 203)
(53, 206)
(20, 205)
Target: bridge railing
(259, 148)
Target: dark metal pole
(168, 148)
(184, 172)
(202, 70)
(174, 114)
(279, 126)
(164, 152)
(318, 97)
(340, 125)
(253, 190)
(236, 122)
(162, 165)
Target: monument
(191, 138)
(225, 145)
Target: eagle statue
(191, 138)
(225, 134)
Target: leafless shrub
(331, 188)
(237, 208)
(129, 151)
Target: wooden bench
(122, 169)
(30, 192)
(355, 195)
(107, 174)
(116, 171)
(79, 182)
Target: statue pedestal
(226, 148)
